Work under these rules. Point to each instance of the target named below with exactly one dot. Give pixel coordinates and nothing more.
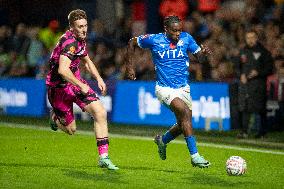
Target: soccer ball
(236, 166)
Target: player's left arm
(199, 52)
(90, 66)
(201, 55)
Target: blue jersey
(171, 60)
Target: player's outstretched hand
(102, 86)
(205, 49)
(130, 73)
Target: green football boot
(106, 163)
(162, 148)
(200, 162)
(52, 123)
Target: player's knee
(101, 114)
(73, 130)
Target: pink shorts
(62, 99)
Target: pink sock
(103, 150)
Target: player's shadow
(107, 176)
(70, 171)
(31, 165)
(151, 169)
(212, 180)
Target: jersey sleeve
(193, 48)
(69, 48)
(145, 41)
(85, 53)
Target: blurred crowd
(25, 50)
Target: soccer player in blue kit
(169, 53)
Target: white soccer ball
(236, 165)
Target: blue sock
(191, 144)
(167, 137)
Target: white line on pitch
(17, 125)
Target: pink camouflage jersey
(71, 47)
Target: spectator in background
(138, 9)
(50, 35)
(21, 41)
(202, 29)
(255, 65)
(6, 39)
(5, 46)
(18, 66)
(273, 84)
(208, 6)
(35, 50)
(41, 64)
(174, 7)
(123, 32)
(102, 55)
(19, 51)
(96, 32)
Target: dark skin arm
(130, 71)
(201, 55)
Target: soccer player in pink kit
(65, 85)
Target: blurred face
(251, 39)
(173, 31)
(79, 28)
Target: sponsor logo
(207, 108)
(13, 98)
(204, 107)
(171, 53)
(148, 104)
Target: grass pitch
(39, 158)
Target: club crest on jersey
(72, 50)
(180, 43)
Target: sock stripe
(102, 142)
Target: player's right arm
(130, 72)
(142, 41)
(65, 71)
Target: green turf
(32, 158)
(273, 140)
